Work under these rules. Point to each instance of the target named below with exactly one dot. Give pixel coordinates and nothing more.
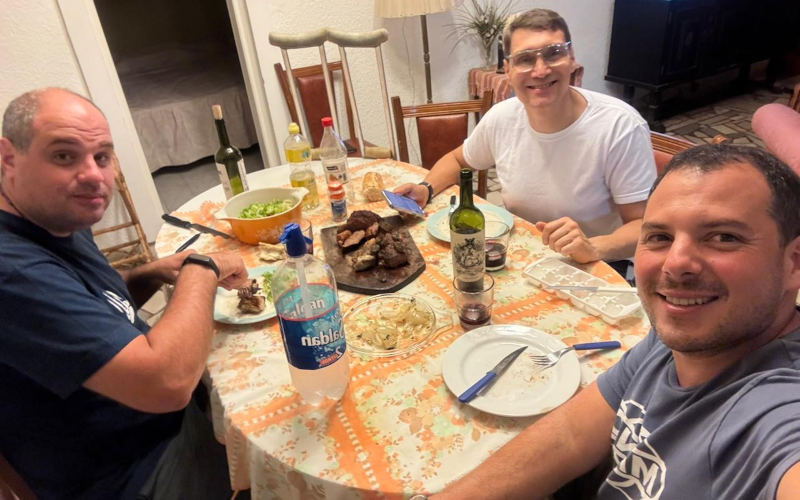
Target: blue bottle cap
(293, 238)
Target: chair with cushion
(441, 127)
(779, 127)
(314, 99)
(665, 147)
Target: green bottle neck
(465, 189)
(222, 133)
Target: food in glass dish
(258, 210)
(392, 324)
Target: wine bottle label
(336, 169)
(232, 186)
(313, 334)
(468, 255)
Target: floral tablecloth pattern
(398, 429)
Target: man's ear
(792, 263)
(8, 154)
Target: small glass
(308, 232)
(474, 302)
(496, 245)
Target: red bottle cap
(327, 121)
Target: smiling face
(543, 85)
(63, 182)
(711, 270)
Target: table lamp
(408, 8)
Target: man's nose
(540, 68)
(683, 258)
(91, 171)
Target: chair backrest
(665, 147)
(131, 251)
(441, 127)
(12, 486)
(313, 97)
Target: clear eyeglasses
(525, 60)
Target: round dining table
(398, 429)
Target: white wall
(589, 22)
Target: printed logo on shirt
(639, 470)
(120, 304)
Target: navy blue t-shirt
(64, 313)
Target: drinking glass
(497, 233)
(474, 302)
(307, 230)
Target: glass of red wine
(474, 301)
(497, 233)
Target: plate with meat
(250, 304)
(371, 254)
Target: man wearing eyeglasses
(577, 163)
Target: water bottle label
(313, 335)
(468, 255)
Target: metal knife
(594, 289)
(491, 376)
(169, 219)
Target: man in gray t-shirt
(708, 404)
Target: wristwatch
(202, 260)
(430, 190)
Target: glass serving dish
(611, 307)
(390, 324)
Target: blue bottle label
(312, 338)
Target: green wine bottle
(228, 158)
(467, 238)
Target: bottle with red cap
(338, 200)
(333, 154)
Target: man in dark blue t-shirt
(90, 396)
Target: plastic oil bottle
(298, 154)
(307, 304)
(333, 154)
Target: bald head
(18, 118)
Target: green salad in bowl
(258, 210)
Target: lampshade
(407, 8)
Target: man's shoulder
(611, 108)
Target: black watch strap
(430, 190)
(202, 260)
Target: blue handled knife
(491, 376)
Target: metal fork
(551, 358)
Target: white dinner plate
(225, 310)
(439, 223)
(524, 389)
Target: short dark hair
(534, 20)
(20, 113)
(783, 182)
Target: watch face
(203, 260)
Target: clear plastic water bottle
(333, 154)
(298, 154)
(307, 304)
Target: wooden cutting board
(377, 279)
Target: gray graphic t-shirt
(731, 437)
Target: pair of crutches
(317, 38)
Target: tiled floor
(729, 117)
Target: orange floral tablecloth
(398, 429)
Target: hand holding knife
(169, 219)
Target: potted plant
(485, 21)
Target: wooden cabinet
(659, 43)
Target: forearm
(619, 244)
(561, 446)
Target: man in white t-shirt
(577, 163)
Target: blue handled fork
(551, 358)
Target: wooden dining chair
(12, 486)
(314, 99)
(133, 248)
(666, 146)
(441, 127)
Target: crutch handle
(365, 39)
(299, 40)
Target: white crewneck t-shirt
(602, 159)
